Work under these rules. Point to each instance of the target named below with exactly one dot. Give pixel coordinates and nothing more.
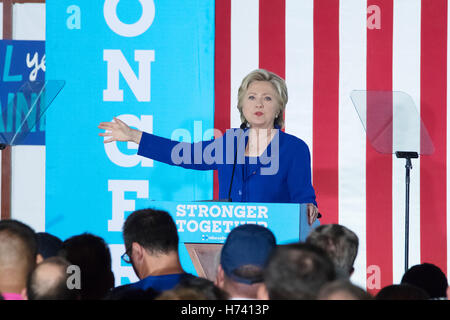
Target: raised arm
(187, 155)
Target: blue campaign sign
(151, 64)
(211, 222)
(21, 62)
(206, 222)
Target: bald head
(49, 281)
(18, 249)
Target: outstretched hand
(117, 130)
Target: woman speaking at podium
(256, 163)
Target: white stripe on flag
(406, 78)
(244, 48)
(300, 68)
(352, 137)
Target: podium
(22, 113)
(27, 108)
(204, 226)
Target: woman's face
(260, 105)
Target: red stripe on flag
(379, 166)
(433, 110)
(326, 108)
(222, 78)
(272, 48)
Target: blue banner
(21, 61)
(211, 222)
(149, 63)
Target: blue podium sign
(211, 222)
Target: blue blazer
(281, 174)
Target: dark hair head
(342, 290)
(428, 277)
(92, 255)
(48, 281)
(48, 244)
(154, 230)
(297, 271)
(402, 292)
(132, 293)
(183, 293)
(18, 245)
(203, 286)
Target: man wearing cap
(242, 261)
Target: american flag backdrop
(325, 49)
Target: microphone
(242, 127)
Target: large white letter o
(129, 30)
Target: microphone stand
(242, 127)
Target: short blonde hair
(277, 82)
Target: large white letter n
(140, 85)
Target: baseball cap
(246, 245)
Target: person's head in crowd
(341, 245)
(342, 290)
(296, 272)
(133, 294)
(194, 288)
(242, 260)
(151, 243)
(18, 252)
(48, 245)
(402, 292)
(182, 294)
(430, 278)
(49, 281)
(206, 287)
(92, 255)
(151, 247)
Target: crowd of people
(40, 266)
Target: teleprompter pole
(407, 155)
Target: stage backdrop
(151, 63)
(184, 64)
